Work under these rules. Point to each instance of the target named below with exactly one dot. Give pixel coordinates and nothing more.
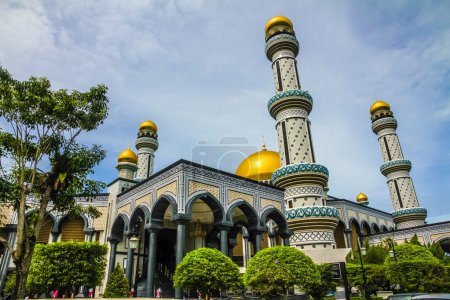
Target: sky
(198, 70)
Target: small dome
(127, 156)
(278, 20)
(260, 165)
(361, 198)
(148, 125)
(379, 104)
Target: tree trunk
(25, 249)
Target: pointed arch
(383, 228)
(212, 202)
(120, 227)
(160, 206)
(375, 228)
(274, 214)
(249, 212)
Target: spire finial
(264, 144)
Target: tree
(437, 250)
(415, 240)
(320, 289)
(272, 271)
(117, 285)
(415, 269)
(375, 277)
(8, 286)
(209, 270)
(66, 264)
(45, 166)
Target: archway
(375, 228)
(445, 244)
(365, 228)
(339, 235)
(276, 225)
(355, 233)
(383, 228)
(72, 228)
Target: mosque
(151, 220)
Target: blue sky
(198, 70)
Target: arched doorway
(72, 229)
(339, 235)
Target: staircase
(161, 281)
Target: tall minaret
(407, 211)
(304, 180)
(147, 144)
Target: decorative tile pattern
(124, 209)
(290, 93)
(312, 212)
(312, 236)
(299, 168)
(234, 195)
(408, 211)
(280, 37)
(291, 113)
(304, 191)
(267, 202)
(171, 187)
(195, 186)
(400, 162)
(144, 199)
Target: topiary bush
(117, 286)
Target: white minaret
(407, 211)
(146, 144)
(304, 180)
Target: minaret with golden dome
(304, 180)
(127, 164)
(407, 211)
(147, 144)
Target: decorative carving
(195, 186)
(266, 202)
(312, 212)
(171, 187)
(124, 209)
(312, 236)
(233, 195)
(409, 211)
(290, 93)
(395, 163)
(144, 199)
(299, 168)
(304, 190)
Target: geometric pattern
(233, 195)
(267, 202)
(399, 162)
(312, 236)
(408, 211)
(171, 187)
(303, 190)
(195, 186)
(312, 212)
(290, 93)
(299, 168)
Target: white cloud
(198, 69)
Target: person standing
(159, 293)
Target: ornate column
(181, 221)
(348, 238)
(151, 264)
(246, 251)
(231, 244)
(112, 255)
(130, 260)
(147, 144)
(286, 238)
(303, 179)
(258, 239)
(407, 211)
(224, 228)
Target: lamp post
(134, 242)
(392, 251)
(362, 252)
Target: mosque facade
(151, 220)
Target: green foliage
(375, 277)
(415, 240)
(375, 254)
(416, 269)
(39, 140)
(272, 271)
(10, 281)
(67, 264)
(408, 252)
(437, 250)
(319, 289)
(117, 285)
(209, 270)
(416, 275)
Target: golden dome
(361, 197)
(148, 125)
(260, 165)
(278, 20)
(127, 156)
(379, 104)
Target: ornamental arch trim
(209, 199)
(160, 206)
(272, 213)
(248, 210)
